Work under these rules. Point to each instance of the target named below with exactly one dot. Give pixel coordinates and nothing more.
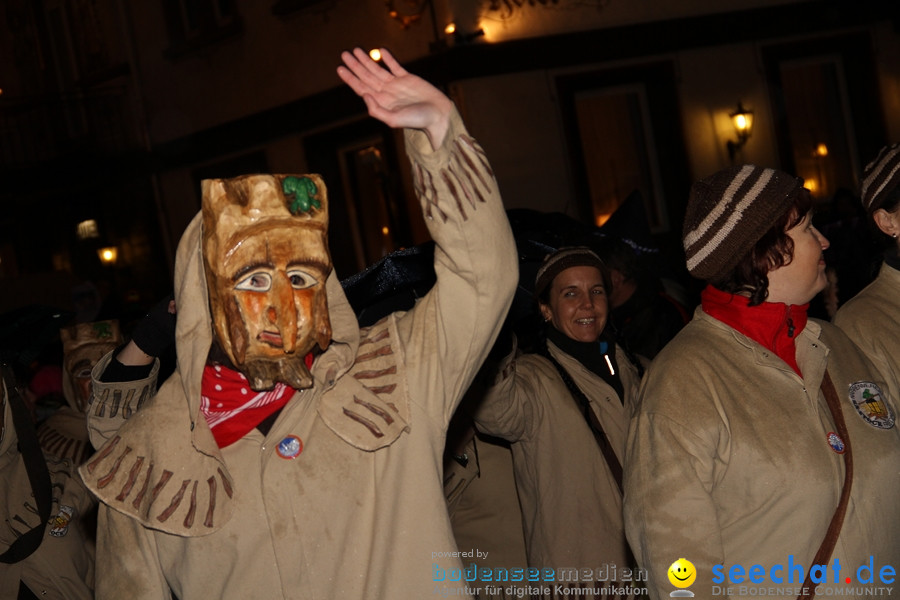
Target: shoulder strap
(35, 466)
(584, 405)
(834, 528)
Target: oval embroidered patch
(871, 405)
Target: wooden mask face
(84, 344)
(266, 256)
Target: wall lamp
(742, 119)
(461, 37)
(108, 255)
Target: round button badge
(290, 447)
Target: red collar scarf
(231, 408)
(772, 325)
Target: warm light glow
(821, 150)
(450, 28)
(601, 219)
(375, 54)
(494, 31)
(87, 230)
(385, 230)
(811, 184)
(743, 123)
(108, 255)
(742, 119)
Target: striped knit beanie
(728, 212)
(881, 178)
(564, 258)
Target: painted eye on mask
(301, 279)
(255, 282)
(262, 282)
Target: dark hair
(544, 296)
(773, 250)
(890, 204)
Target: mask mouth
(271, 338)
(262, 375)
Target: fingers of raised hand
(356, 73)
(353, 81)
(371, 71)
(392, 64)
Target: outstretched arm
(447, 334)
(396, 97)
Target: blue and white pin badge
(290, 447)
(869, 402)
(836, 443)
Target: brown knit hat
(881, 178)
(564, 258)
(728, 212)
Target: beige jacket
(571, 505)
(360, 513)
(729, 462)
(62, 568)
(872, 320)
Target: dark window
(194, 24)
(624, 135)
(825, 101)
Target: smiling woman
(564, 410)
(754, 421)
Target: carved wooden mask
(265, 249)
(84, 344)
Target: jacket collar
(812, 351)
(774, 326)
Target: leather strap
(834, 528)
(35, 466)
(584, 405)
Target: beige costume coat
(729, 462)
(62, 568)
(872, 320)
(360, 512)
(571, 504)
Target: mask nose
(281, 312)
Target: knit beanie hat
(881, 178)
(564, 258)
(728, 212)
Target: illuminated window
(87, 230)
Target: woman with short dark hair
(760, 430)
(872, 317)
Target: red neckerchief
(772, 325)
(231, 408)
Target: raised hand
(396, 97)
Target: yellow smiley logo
(682, 573)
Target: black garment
(593, 355)
(116, 371)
